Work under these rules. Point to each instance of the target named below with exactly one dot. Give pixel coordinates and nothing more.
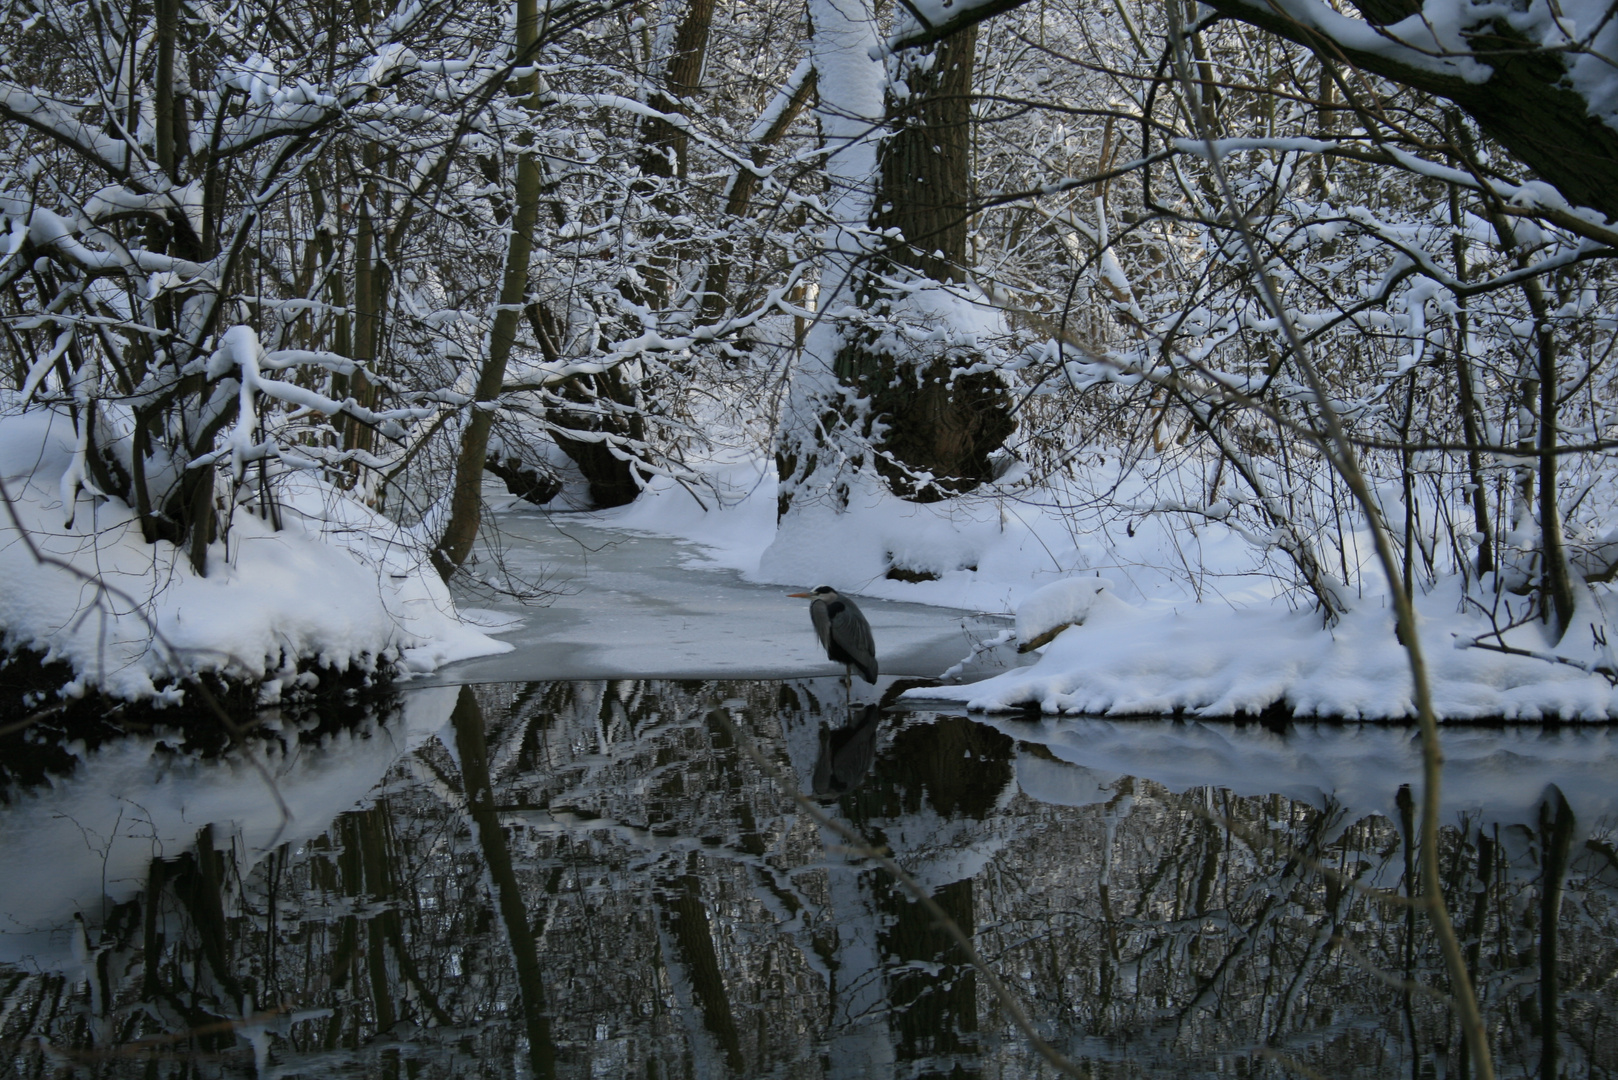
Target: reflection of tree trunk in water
(1305, 854)
(365, 865)
(152, 942)
(366, 861)
(935, 1013)
(1556, 834)
(860, 1041)
(680, 898)
(198, 882)
(687, 918)
(1107, 973)
(350, 955)
(1407, 829)
(474, 757)
(955, 768)
(1474, 931)
(1320, 947)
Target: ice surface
(632, 604)
(1154, 639)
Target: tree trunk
(609, 402)
(791, 100)
(608, 411)
(1468, 401)
(940, 424)
(466, 499)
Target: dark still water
(620, 879)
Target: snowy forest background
(317, 269)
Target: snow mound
(338, 586)
(1211, 660)
(1050, 609)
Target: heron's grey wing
(822, 620)
(853, 633)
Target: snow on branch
(240, 349)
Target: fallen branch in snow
(1606, 671)
(1004, 637)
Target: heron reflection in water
(843, 631)
(846, 754)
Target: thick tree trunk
(940, 424)
(663, 145)
(608, 411)
(925, 166)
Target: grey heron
(842, 629)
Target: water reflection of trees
(596, 879)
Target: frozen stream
(621, 603)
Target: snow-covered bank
(1172, 612)
(337, 587)
(1213, 660)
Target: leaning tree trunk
(940, 421)
(466, 500)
